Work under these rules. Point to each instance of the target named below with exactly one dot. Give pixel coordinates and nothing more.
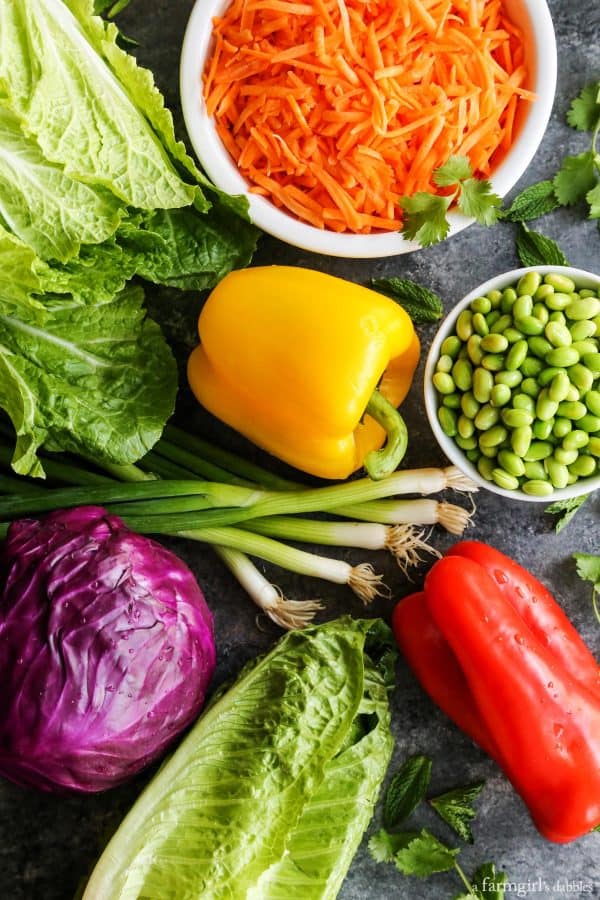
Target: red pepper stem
(381, 463)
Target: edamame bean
(546, 375)
(558, 474)
(583, 467)
(516, 356)
(558, 301)
(565, 457)
(479, 324)
(474, 352)
(481, 305)
(504, 480)
(576, 439)
(583, 347)
(462, 373)
(443, 383)
(561, 427)
(500, 395)
(510, 379)
(447, 419)
(452, 401)
(572, 409)
(531, 367)
(538, 450)
(586, 292)
(524, 401)
(558, 335)
(494, 343)
(465, 427)
(485, 467)
(493, 362)
(500, 324)
(558, 316)
(529, 325)
(581, 331)
(522, 307)
(529, 283)
(511, 463)
(493, 436)
(444, 364)
(592, 401)
(516, 418)
(559, 387)
(592, 362)
(489, 452)
(473, 455)
(563, 357)
(543, 291)
(581, 377)
(486, 417)
(585, 308)
(539, 346)
(594, 446)
(520, 439)
(530, 386)
(494, 297)
(542, 431)
(589, 423)
(509, 295)
(466, 443)
(537, 488)
(540, 311)
(464, 325)
(469, 405)
(512, 335)
(573, 394)
(483, 382)
(451, 346)
(493, 317)
(535, 470)
(560, 282)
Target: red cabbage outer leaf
(106, 651)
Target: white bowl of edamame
(512, 384)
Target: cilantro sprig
(425, 215)
(421, 853)
(588, 568)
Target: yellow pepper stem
(381, 463)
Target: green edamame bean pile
(519, 384)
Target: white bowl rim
(224, 173)
(451, 450)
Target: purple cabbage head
(106, 651)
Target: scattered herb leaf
(384, 845)
(421, 304)
(565, 510)
(406, 790)
(425, 856)
(456, 808)
(425, 217)
(584, 112)
(535, 249)
(489, 883)
(575, 178)
(533, 202)
(588, 568)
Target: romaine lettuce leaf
(288, 761)
(93, 377)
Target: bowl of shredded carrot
(325, 114)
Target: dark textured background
(47, 844)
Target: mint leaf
(575, 178)
(456, 808)
(457, 169)
(584, 112)
(383, 845)
(425, 218)
(565, 510)
(535, 201)
(593, 199)
(489, 883)
(421, 304)
(425, 856)
(477, 200)
(535, 249)
(406, 790)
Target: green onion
(410, 512)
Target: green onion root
(406, 544)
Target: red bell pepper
(491, 665)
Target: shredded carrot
(334, 109)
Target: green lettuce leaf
(270, 792)
(95, 378)
(69, 99)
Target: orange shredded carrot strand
(335, 109)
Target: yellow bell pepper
(292, 359)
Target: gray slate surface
(47, 844)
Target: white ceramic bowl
(534, 18)
(453, 452)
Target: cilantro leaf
(425, 217)
(383, 845)
(584, 112)
(456, 170)
(489, 883)
(406, 790)
(535, 249)
(575, 178)
(565, 510)
(425, 856)
(477, 200)
(421, 304)
(588, 568)
(593, 199)
(456, 808)
(533, 202)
